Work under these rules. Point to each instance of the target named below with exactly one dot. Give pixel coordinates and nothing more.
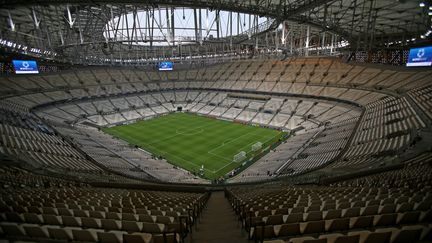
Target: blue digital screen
(25, 66)
(420, 57)
(165, 66)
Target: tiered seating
(302, 213)
(42, 149)
(98, 214)
(386, 128)
(268, 166)
(423, 98)
(323, 149)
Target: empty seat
(307, 239)
(97, 214)
(351, 212)
(89, 235)
(60, 233)
(153, 228)
(370, 210)
(110, 224)
(32, 218)
(129, 217)
(260, 232)
(36, 231)
(338, 224)
(52, 219)
(14, 217)
(312, 227)
(340, 238)
(137, 238)
(287, 229)
(372, 237)
(405, 207)
(12, 229)
(131, 226)
(90, 223)
(361, 222)
(333, 214)
(294, 218)
(71, 221)
(313, 216)
(385, 219)
(274, 219)
(388, 208)
(110, 237)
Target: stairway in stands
(218, 223)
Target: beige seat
(294, 218)
(110, 224)
(129, 217)
(337, 224)
(164, 219)
(91, 223)
(14, 217)
(287, 229)
(166, 238)
(52, 219)
(60, 233)
(372, 237)
(385, 219)
(361, 222)
(64, 212)
(370, 210)
(71, 221)
(146, 218)
(137, 238)
(333, 214)
(36, 231)
(12, 229)
(110, 237)
(32, 218)
(132, 226)
(313, 216)
(97, 214)
(113, 215)
(80, 213)
(388, 208)
(89, 235)
(340, 238)
(312, 227)
(264, 232)
(408, 217)
(153, 228)
(307, 239)
(274, 219)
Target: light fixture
(422, 4)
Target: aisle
(218, 223)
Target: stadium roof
(64, 28)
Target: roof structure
(76, 30)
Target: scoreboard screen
(420, 57)
(165, 66)
(25, 66)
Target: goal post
(240, 156)
(256, 146)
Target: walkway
(219, 223)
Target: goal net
(240, 156)
(256, 146)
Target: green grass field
(190, 141)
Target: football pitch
(191, 141)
